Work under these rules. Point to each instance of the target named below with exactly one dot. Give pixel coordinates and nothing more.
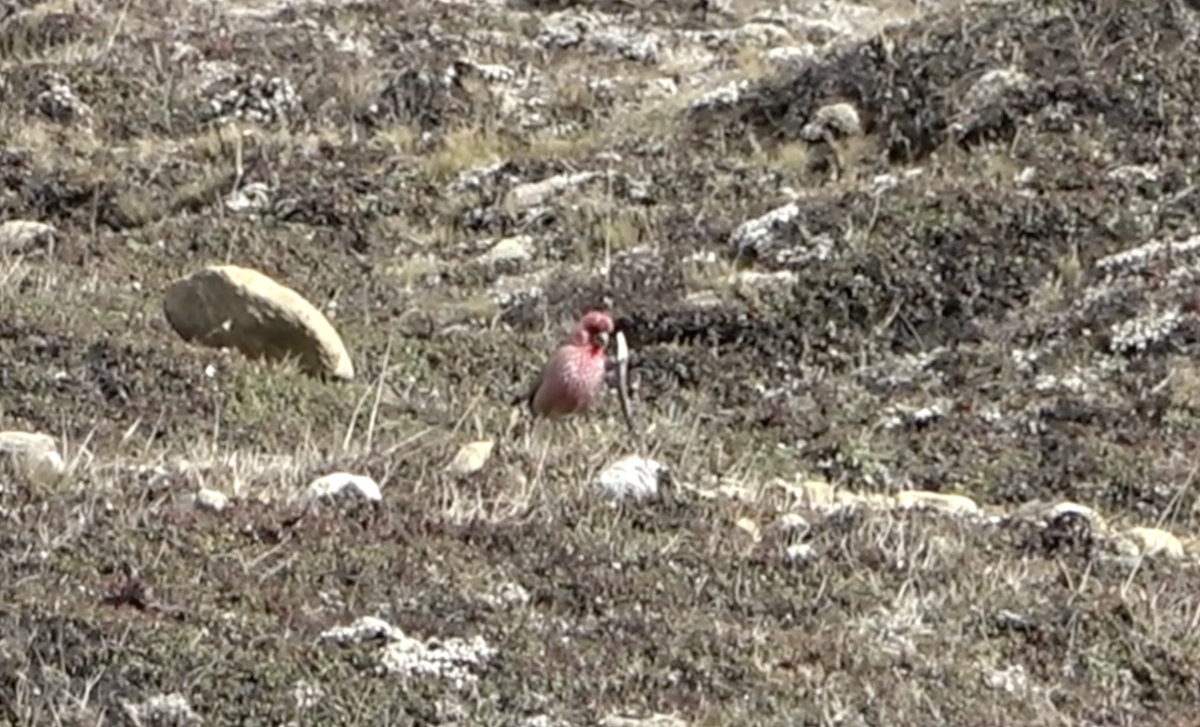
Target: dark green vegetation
(973, 287)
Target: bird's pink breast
(572, 379)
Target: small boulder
(471, 457)
(24, 236)
(344, 484)
(632, 478)
(226, 306)
(211, 500)
(33, 454)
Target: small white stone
(364, 628)
(518, 249)
(450, 659)
(471, 457)
(210, 500)
(533, 194)
(631, 478)
(34, 454)
(22, 236)
(339, 483)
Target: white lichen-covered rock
(1137, 259)
(632, 478)
(59, 102)
(1143, 331)
(233, 93)
(25, 236)
(34, 454)
(756, 235)
(991, 87)
(344, 484)
(1045, 513)
(162, 710)
(516, 249)
(455, 660)
(719, 98)
(507, 595)
(832, 122)
(226, 306)
(772, 230)
(988, 90)
(471, 457)
(534, 194)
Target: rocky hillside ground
(910, 291)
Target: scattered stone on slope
(59, 103)
(535, 194)
(1147, 542)
(989, 91)
(782, 227)
(508, 254)
(471, 457)
(211, 500)
(633, 478)
(234, 93)
(22, 237)
(227, 306)
(832, 122)
(1045, 513)
(507, 595)
(911, 83)
(431, 97)
(749, 527)
(457, 660)
(343, 485)
(34, 455)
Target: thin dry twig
(623, 386)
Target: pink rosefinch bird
(574, 375)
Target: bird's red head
(593, 330)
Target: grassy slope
(909, 619)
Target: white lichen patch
(457, 661)
(1138, 334)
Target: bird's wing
(525, 397)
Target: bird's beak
(602, 339)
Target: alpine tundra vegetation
(910, 295)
